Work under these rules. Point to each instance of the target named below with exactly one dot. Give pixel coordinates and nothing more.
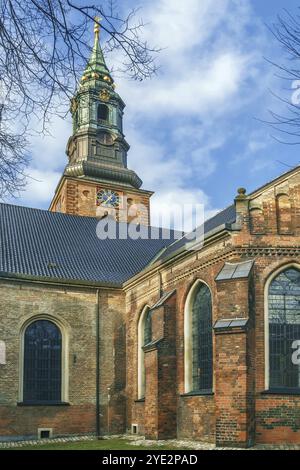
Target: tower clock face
(106, 197)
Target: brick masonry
(79, 196)
(239, 412)
(76, 310)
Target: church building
(147, 335)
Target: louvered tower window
(42, 362)
(202, 365)
(102, 112)
(284, 329)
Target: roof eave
(210, 237)
(59, 281)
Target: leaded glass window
(42, 362)
(148, 328)
(202, 368)
(284, 329)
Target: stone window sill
(44, 403)
(198, 393)
(140, 400)
(281, 391)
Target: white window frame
(141, 355)
(64, 354)
(188, 335)
(271, 277)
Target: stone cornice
(229, 253)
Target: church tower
(96, 180)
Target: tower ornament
(104, 95)
(97, 27)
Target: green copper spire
(96, 68)
(98, 148)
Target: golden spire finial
(97, 27)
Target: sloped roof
(56, 246)
(226, 216)
(45, 244)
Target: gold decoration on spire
(97, 27)
(104, 95)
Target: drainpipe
(98, 365)
(160, 284)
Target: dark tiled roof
(40, 243)
(226, 216)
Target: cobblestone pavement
(140, 441)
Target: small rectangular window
(44, 433)
(134, 428)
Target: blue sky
(194, 129)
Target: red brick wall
(25, 421)
(160, 365)
(239, 409)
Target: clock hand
(107, 200)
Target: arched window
(198, 340)
(202, 339)
(102, 112)
(284, 329)
(42, 373)
(144, 337)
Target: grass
(105, 444)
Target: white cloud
(177, 122)
(40, 187)
(179, 206)
(48, 152)
(206, 60)
(48, 159)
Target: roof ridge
(282, 175)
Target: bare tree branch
(287, 32)
(44, 47)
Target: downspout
(160, 284)
(98, 365)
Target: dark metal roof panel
(163, 299)
(235, 270)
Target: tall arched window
(144, 337)
(202, 339)
(102, 112)
(284, 329)
(198, 340)
(42, 373)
